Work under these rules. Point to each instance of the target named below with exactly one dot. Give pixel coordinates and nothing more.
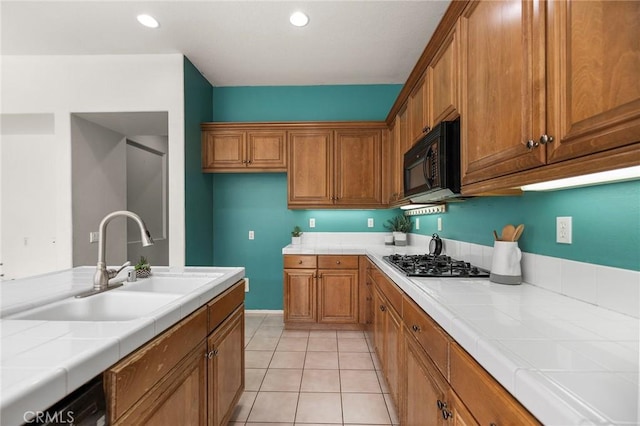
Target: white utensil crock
(505, 267)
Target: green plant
(142, 268)
(400, 223)
(296, 231)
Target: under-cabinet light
(299, 19)
(619, 175)
(148, 21)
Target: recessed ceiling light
(148, 21)
(299, 19)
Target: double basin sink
(131, 301)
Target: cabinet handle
(383, 308)
(530, 144)
(416, 328)
(446, 414)
(248, 161)
(441, 405)
(545, 139)
(211, 354)
(426, 129)
(299, 262)
(337, 262)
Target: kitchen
(241, 203)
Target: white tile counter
(43, 361)
(569, 362)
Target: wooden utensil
(507, 232)
(495, 235)
(518, 232)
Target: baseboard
(264, 311)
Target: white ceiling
(237, 43)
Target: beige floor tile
(282, 380)
(352, 345)
(242, 409)
(355, 361)
(319, 408)
(295, 333)
(253, 378)
(292, 344)
(320, 381)
(376, 361)
(257, 359)
(322, 344)
(366, 408)
(344, 334)
(287, 360)
(383, 382)
(391, 408)
(322, 333)
(268, 332)
(321, 360)
(262, 344)
(273, 320)
(274, 407)
(268, 424)
(359, 381)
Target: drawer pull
(383, 308)
(441, 405)
(337, 262)
(299, 262)
(212, 353)
(416, 328)
(446, 414)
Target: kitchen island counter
(43, 361)
(567, 361)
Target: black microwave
(432, 165)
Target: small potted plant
(400, 225)
(296, 235)
(142, 268)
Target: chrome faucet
(102, 275)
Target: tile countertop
(43, 361)
(569, 362)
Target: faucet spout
(101, 276)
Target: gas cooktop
(428, 265)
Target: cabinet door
(503, 91)
(379, 325)
(310, 174)
(594, 76)
(460, 415)
(224, 150)
(418, 108)
(425, 389)
(179, 399)
(358, 167)
(266, 150)
(226, 368)
(338, 296)
(442, 76)
(300, 295)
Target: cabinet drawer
(300, 261)
(223, 305)
(487, 400)
(427, 333)
(131, 378)
(337, 262)
(389, 289)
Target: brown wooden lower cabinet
(387, 331)
(182, 376)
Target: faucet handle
(111, 273)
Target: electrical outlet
(370, 222)
(93, 237)
(312, 223)
(417, 223)
(246, 285)
(563, 230)
(439, 224)
(252, 235)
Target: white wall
(61, 85)
(99, 186)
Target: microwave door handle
(427, 170)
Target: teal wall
(198, 185)
(605, 222)
(258, 202)
(304, 103)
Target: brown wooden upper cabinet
(228, 147)
(546, 82)
(335, 168)
(418, 111)
(442, 79)
(400, 143)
